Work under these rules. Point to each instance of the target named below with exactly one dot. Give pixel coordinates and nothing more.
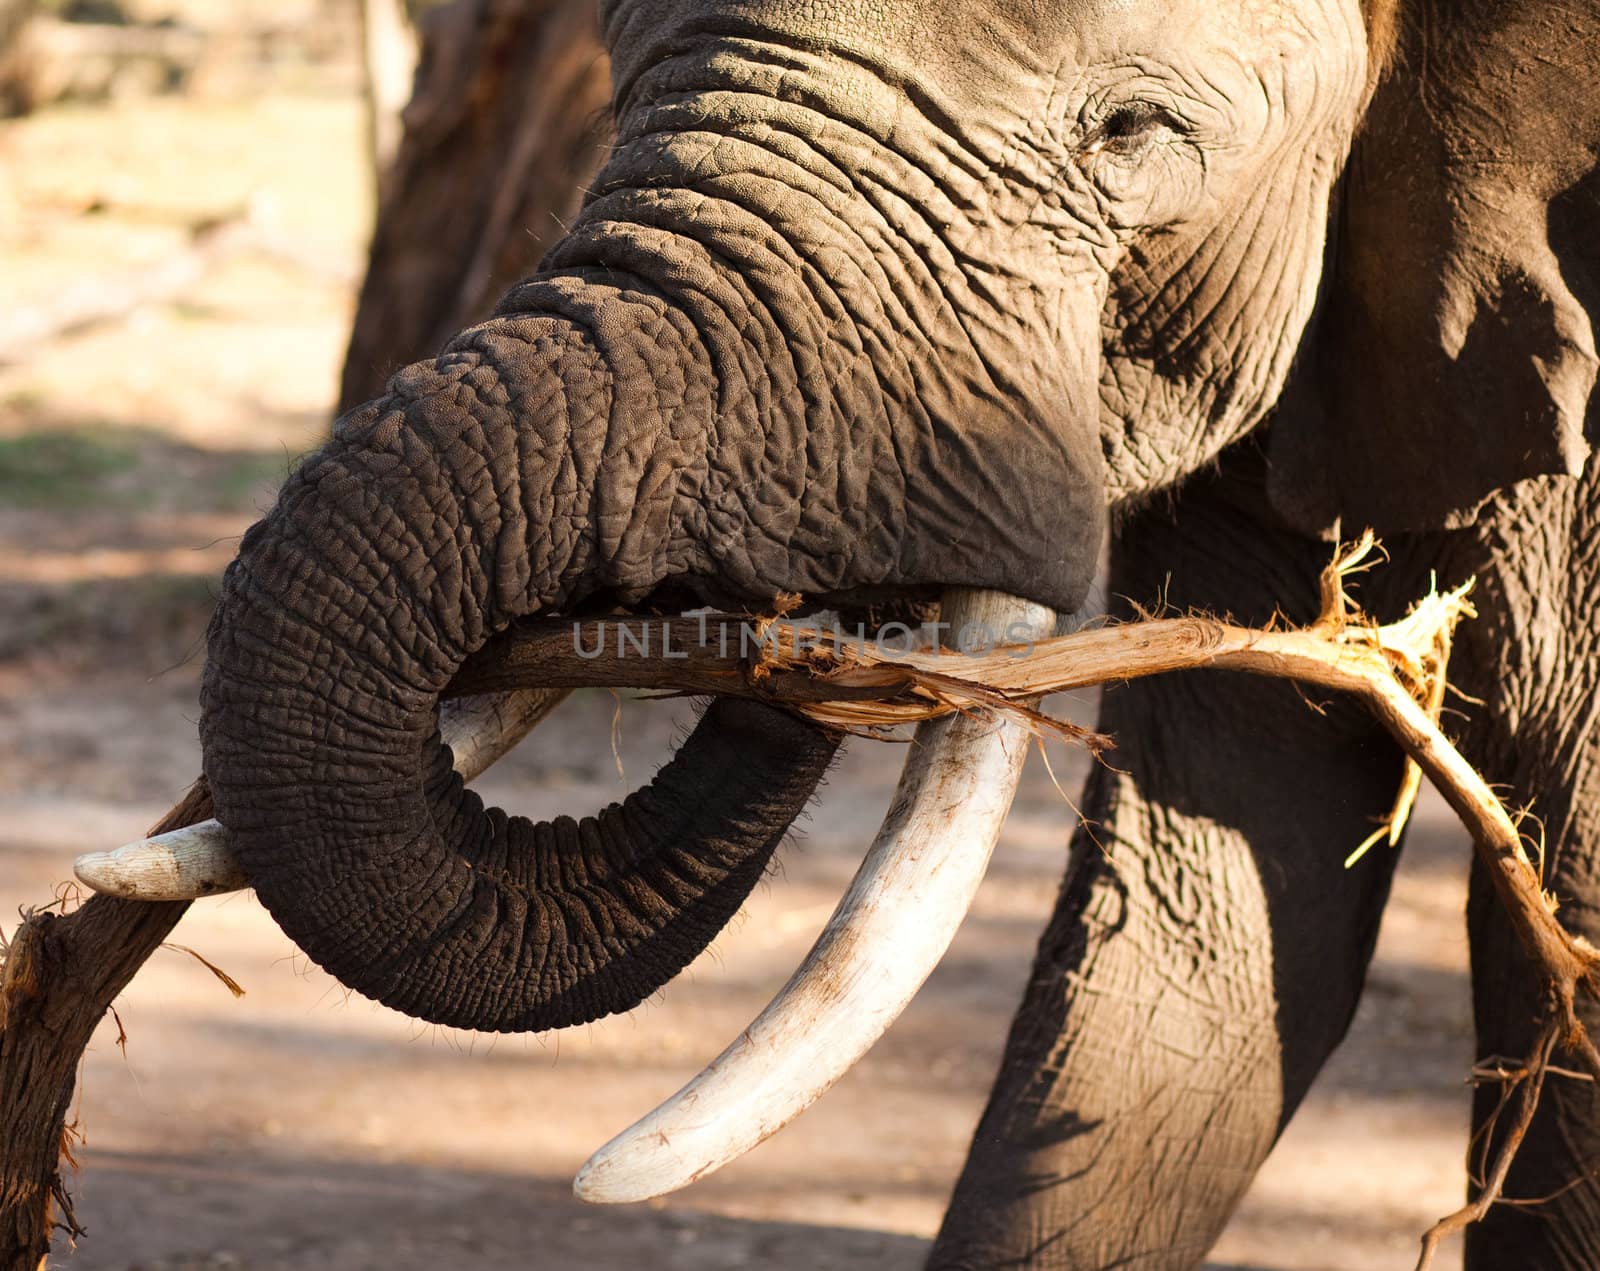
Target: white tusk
(890, 930)
(199, 861)
(481, 731)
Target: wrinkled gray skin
(875, 298)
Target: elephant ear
(1453, 350)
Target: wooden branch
(109, 298)
(842, 682)
(59, 978)
(1397, 671)
(837, 681)
(1530, 1078)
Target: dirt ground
(299, 1128)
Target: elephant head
(871, 301)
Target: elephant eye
(1128, 131)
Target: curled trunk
(390, 557)
(728, 381)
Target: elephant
(894, 304)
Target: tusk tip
(628, 1170)
(98, 871)
(183, 865)
(598, 1183)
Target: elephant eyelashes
(1129, 131)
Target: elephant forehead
(990, 69)
(1086, 30)
(839, 21)
(1003, 63)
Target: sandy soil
(301, 1128)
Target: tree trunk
(507, 124)
(16, 89)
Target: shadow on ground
(310, 1215)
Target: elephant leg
(1534, 660)
(1208, 947)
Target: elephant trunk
(507, 478)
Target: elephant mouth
(865, 610)
(871, 612)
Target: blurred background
(219, 224)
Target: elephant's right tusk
(199, 861)
(885, 938)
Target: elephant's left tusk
(199, 861)
(889, 932)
